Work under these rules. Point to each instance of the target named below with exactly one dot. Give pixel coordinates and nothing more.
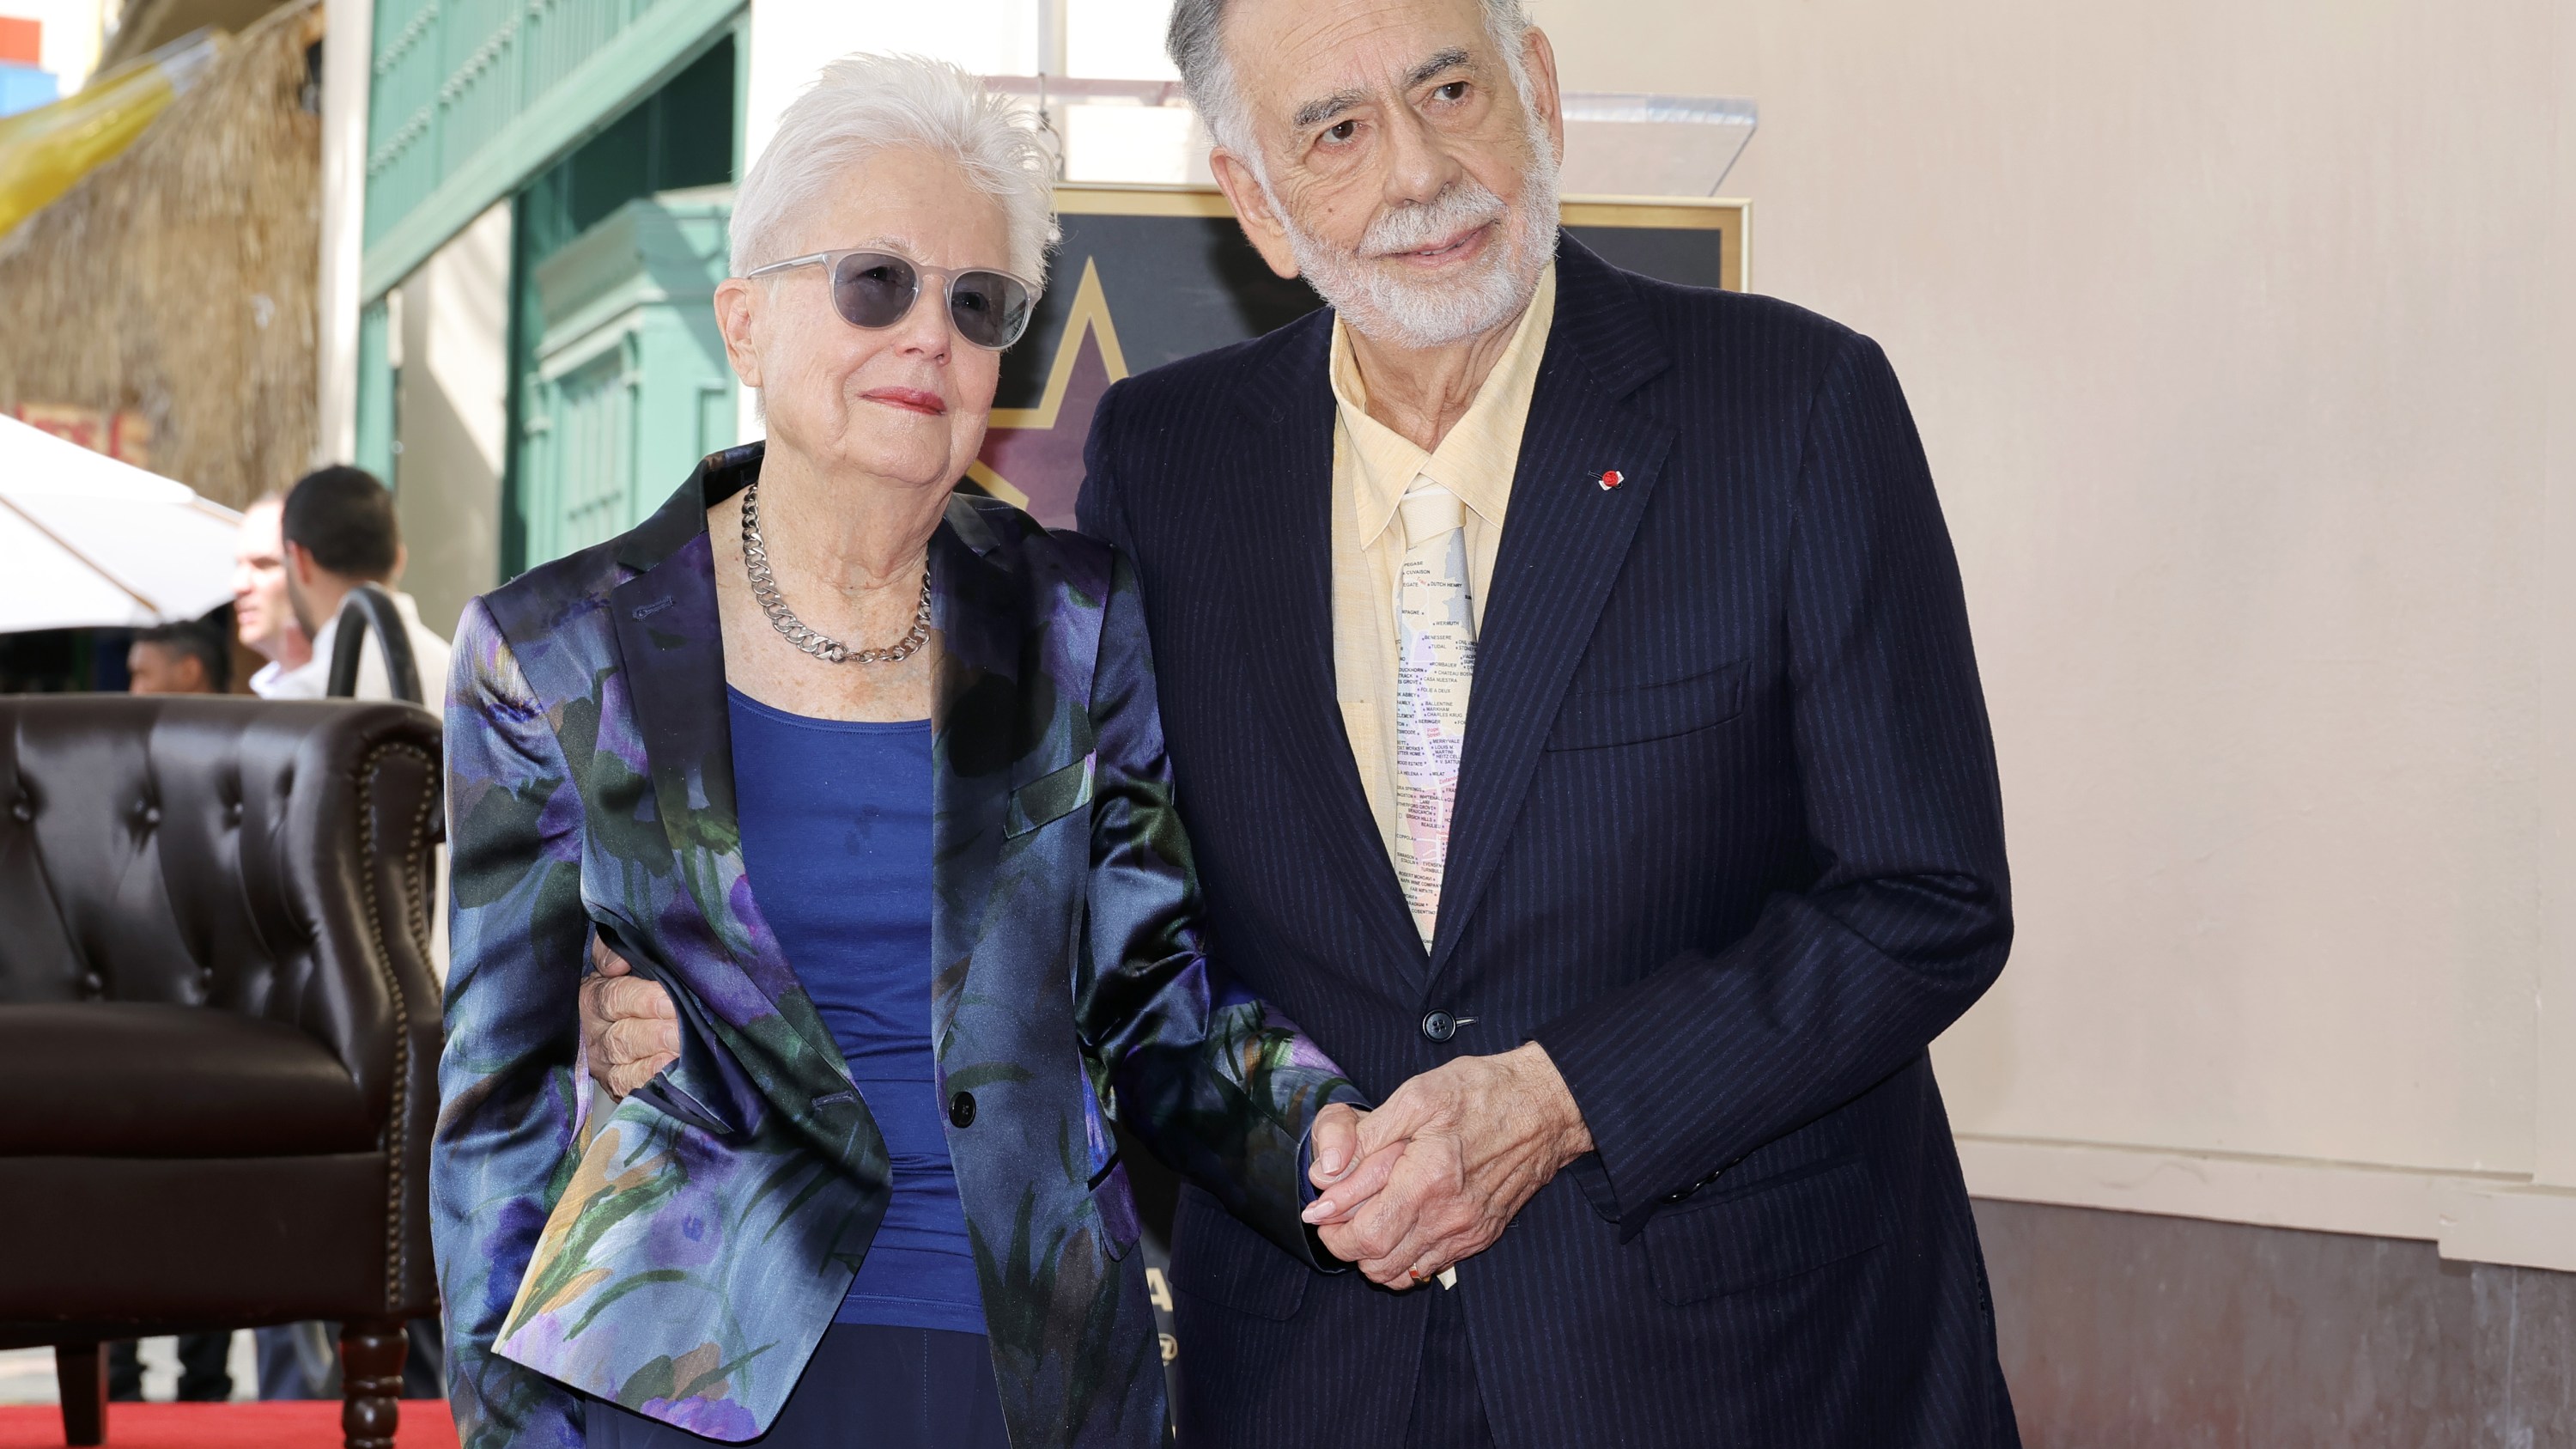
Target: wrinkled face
(260, 610)
(160, 669)
(1406, 177)
(906, 403)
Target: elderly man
(1643, 951)
(1571, 695)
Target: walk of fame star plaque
(1152, 274)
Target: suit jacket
(682, 1256)
(1727, 843)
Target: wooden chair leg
(371, 1380)
(80, 1371)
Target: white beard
(1379, 301)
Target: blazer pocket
(1220, 1260)
(1705, 1250)
(1645, 712)
(1050, 797)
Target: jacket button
(1439, 1026)
(91, 987)
(22, 812)
(961, 1110)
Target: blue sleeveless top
(836, 838)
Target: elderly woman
(868, 775)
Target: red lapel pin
(1612, 479)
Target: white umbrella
(89, 542)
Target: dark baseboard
(2129, 1331)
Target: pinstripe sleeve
(1908, 921)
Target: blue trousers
(867, 1387)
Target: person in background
(182, 658)
(262, 618)
(339, 532)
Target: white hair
(863, 104)
(1196, 43)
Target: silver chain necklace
(764, 587)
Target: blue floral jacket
(681, 1254)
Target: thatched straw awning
(178, 280)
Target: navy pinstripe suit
(1728, 843)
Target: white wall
(2238, 335)
(453, 411)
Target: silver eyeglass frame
(830, 262)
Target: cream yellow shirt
(1373, 465)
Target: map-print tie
(1435, 639)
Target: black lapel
(1564, 540)
(1286, 565)
(670, 645)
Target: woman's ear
(738, 318)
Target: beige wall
(452, 418)
(2234, 330)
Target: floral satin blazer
(681, 1254)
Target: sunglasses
(877, 289)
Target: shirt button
(1439, 1026)
(961, 1110)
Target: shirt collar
(1482, 450)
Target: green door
(628, 385)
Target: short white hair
(863, 104)
(1195, 40)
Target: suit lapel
(986, 728)
(1285, 560)
(671, 646)
(1563, 543)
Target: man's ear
(736, 312)
(402, 558)
(1540, 59)
(299, 562)
(1261, 225)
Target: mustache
(1463, 205)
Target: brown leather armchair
(219, 1033)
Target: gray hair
(1197, 46)
(863, 104)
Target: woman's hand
(629, 1029)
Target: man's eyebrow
(1317, 112)
(1450, 59)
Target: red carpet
(287, 1425)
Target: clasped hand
(1430, 1178)
(1436, 1173)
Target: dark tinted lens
(871, 289)
(991, 310)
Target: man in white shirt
(339, 532)
(261, 614)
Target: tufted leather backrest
(265, 857)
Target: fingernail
(1318, 1210)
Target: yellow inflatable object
(44, 151)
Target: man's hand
(1436, 1173)
(629, 1029)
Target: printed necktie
(1435, 635)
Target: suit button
(22, 812)
(91, 987)
(1439, 1026)
(961, 1110)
